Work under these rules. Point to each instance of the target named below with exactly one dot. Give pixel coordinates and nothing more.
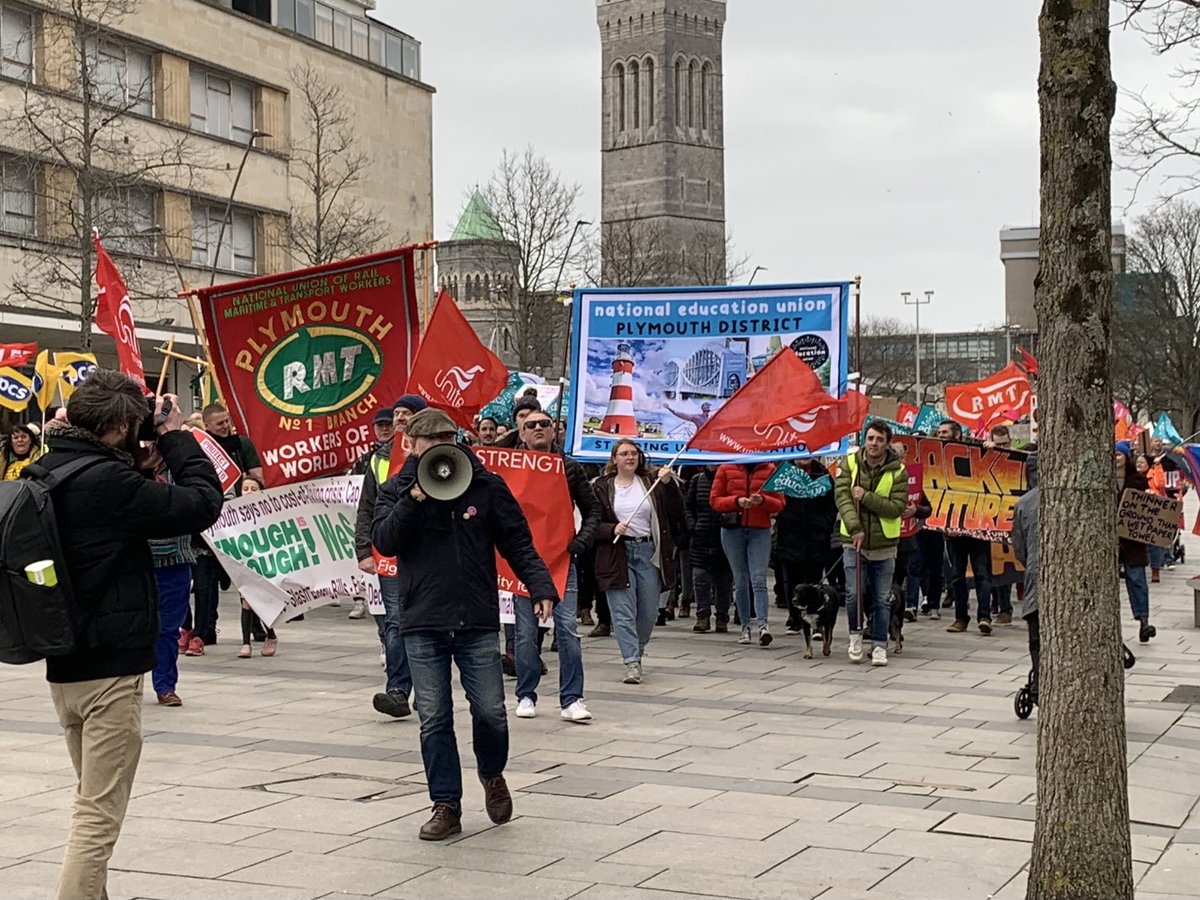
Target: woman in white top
(635, 546)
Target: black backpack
(35, 621)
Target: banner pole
(162, 375)
(657, 482)
(858, 327)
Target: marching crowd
(651, 545)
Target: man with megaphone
(444, 517)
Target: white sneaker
(359, 610)
(745, 638)
(855, 650)
(879, 656)
(382, 657)
(576, 712)
(935, 613)
(764, 636)
(526, 709)
(336, 604)
(633, 673)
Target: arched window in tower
(691, 95)
(705, 96)
(649, 68)
(679, 93)
(635, 79)
(619, 110)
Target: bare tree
(93, 162)
(712, 258)
(536, 211)
(1163, 136)
(888, 361)
(329, 222)
(633, 252)
(1156, 341)
(1081, 843)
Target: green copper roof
(477, 222)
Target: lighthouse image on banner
(619, 418)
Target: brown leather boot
(443, 823)
(701, 626)
(1154, 576)
(600, 630)
(722, 626)
(585, 617)
(496, 799)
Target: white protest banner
(291, 549)
(227, 469)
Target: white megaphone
(444, 472)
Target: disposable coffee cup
(42, 572)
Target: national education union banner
(291, 549)
(653, 364)
(305, 359)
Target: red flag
(906, 414)
(1006, 389)
(538, 481)
(782, 406)
(453, 371)
(1028, 362)
(17, 354)
(114, 314)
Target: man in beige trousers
(105, 513)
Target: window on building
(649, 69)
(285, 14)
(705, 95)
(16, 196)
(222, 106)
(635, 79)
(236, 241)
(306, 23)
(121, 76)
(412, 59)
(620, 111)
(324, 24)
(691, 95)
(126, 217)
(359, 38)
(679, 93)
(341, 31)
(16, 43)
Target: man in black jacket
(537, 433)
(105, 515)
(449, 610)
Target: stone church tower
(663, 160)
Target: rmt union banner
(305, 359)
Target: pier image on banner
(305, 359)
(654, 364)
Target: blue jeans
(979, 554)
(1003, 595)
(876, 590)
(477, 655)
(174, 588)
(570, 653)
(635, 608)
(398, 676)
(1159, 557)
(1139, 591)
(749, 554)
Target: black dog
(814, 606)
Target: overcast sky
(891, 140)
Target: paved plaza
(731, 772)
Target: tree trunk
(1081, 846)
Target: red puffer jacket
(734, 481)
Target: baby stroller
(1027, 696)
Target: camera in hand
(148, 430)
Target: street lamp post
(757, 269)
(917, 303)
(212, 274)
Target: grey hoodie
(1025, 538)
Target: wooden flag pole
(657, 481)
(167, 353)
